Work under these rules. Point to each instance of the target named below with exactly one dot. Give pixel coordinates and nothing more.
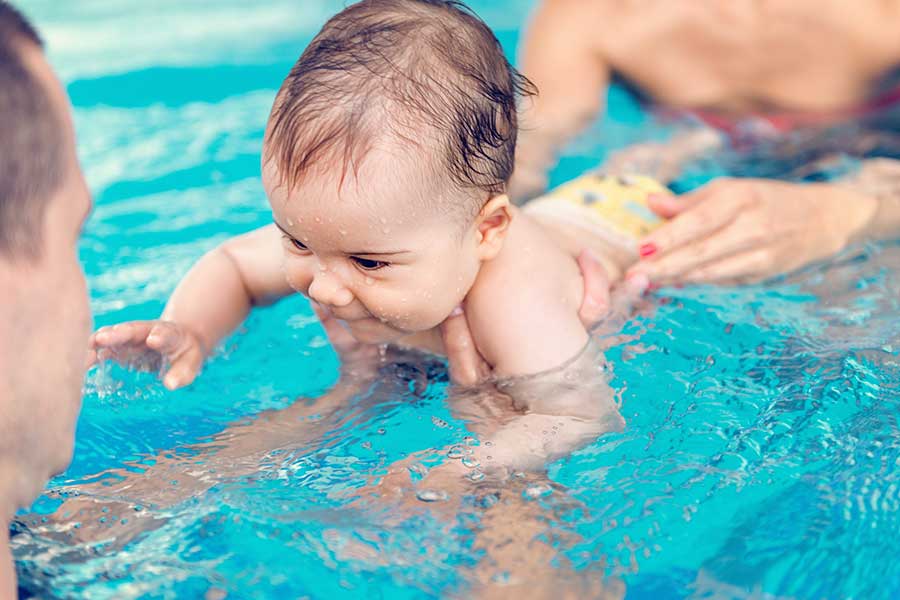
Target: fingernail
(647, 249)
(456, 311)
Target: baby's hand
(151, 345)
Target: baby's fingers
(166, 338)
(184, 369)
(132, 333)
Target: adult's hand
(746, 230)
(468, 367)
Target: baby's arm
(209, 303)
(528, 327)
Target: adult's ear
(492, 225)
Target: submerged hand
(152, 345)
(746, 230)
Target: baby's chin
(373, 331)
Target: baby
(386, 161)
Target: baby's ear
(492, 225)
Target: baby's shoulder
(523, 307)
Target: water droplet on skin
(470, 441)
(455, 452)
(488, 500)
(318, 220)
(299, 219)
(290, 222)
(432, 495)
(470, 462)
(475, 475)
(305, 238)
(383, 221)
(369, 281)
(489, 443)
(342, 232)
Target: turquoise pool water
(759, 460)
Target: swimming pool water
(761, 449)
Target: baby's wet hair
(427, 72)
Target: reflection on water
(760, 448)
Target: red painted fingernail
(647, 249)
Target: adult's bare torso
(751, 55)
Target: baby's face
(375, 250)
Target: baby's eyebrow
(370, 253)
(283, 230)
(356, 253)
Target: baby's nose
(328, 289)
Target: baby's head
(386, 161)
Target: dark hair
(31, 140)
(388, 66)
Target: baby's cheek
(298, 273)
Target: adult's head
(44, 313)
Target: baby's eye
(298, 244)
(368, 264)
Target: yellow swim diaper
(614, 207)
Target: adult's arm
(559, 55)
